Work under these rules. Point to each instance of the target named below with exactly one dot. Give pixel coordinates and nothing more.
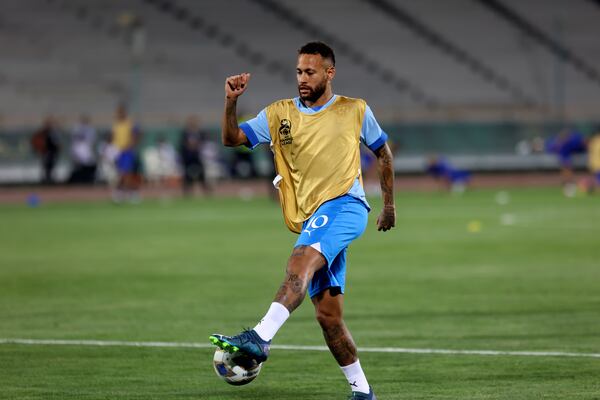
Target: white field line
(115, 343)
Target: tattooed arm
(385, 168)
(231, 134)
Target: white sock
(272, 321)
(356, 377)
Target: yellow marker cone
(474, 226)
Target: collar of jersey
(307, 110)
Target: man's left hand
(387, 218)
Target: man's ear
(330, 72)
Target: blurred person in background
(125, 139)
(83, 153)
(450, 178)
(214, 166)
(565, 145)
(45, 144)
(592, 183)
(242, 164)
(161, 166)
(271, 175)
(191, 154)
(107, 153)
(368, 165)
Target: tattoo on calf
(340, 344)
(295, 303)
(281, 293)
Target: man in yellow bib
(125, 136)
(593, 148)
(315, 140)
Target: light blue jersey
(371, 134)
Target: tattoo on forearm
(230, 124)
(385, 169)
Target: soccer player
(453, 179)
(594, 161)
(565, 145)
(125, 137)
(315, 140)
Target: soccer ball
(235, 369)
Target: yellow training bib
(317, 156)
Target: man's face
(121, 113)
(313, 73)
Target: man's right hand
(236, 85)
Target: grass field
(525, 277)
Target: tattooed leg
(302, 265)
(328, 310)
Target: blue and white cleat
(363, 396)
(248, 342)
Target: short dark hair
(318, 48)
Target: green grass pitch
(525, 278)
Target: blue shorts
(330, 230)
(126, 162)
(597, 177)
(565, 161)
(460, 176)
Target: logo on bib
(285, 131)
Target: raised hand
(236, 85)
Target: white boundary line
(116, 343)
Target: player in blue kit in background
(452, 179)
(565, 145)
(315, 140)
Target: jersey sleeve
(371, 133)
(257, 129)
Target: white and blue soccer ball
(235, 369)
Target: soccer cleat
(247, 342)
(363, 396)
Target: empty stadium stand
(468, 78)
(463, 56)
